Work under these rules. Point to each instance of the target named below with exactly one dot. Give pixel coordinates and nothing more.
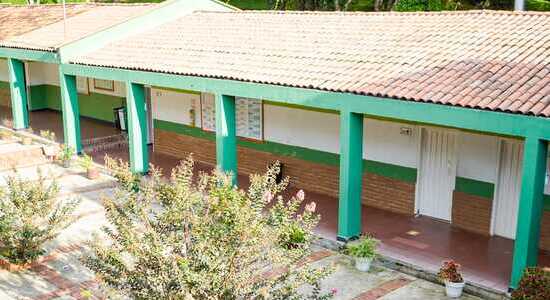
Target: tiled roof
(18, 19)
(478, 59)
(94, 18)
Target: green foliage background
(368, 5)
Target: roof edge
(163, 13)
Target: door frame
(497, 181)
(420, 173)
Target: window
(249, 116)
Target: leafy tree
(202, 238)
(30, 215)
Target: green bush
(534, 285)
(202, 238)
(540, 5)
(30, 215)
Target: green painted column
(70, 111)
(226, 140)
(351, 175)
(526, 246)
(18, 91)
(137, 127)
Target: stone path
(62, 276)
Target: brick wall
(472, 213)
(469, 212)
(378, 191)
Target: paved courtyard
(62, 276)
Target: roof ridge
(443, 12)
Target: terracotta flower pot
(92, 173)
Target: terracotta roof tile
(93, 18)
(18, 19)
(480, 59)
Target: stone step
(104, 140)
(99, 147)
(15, 155)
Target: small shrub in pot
(87, 163)
(364, 252)
(449, 273)
(65, 155)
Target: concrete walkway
(62, 276)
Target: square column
(526, 246)
(351, 175)
(18, 90)
(137, 127)
(70, 111)
(226, 140)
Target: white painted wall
(309, 129)
(477, 156)
(175, 107)
(44, 73)
(4, 75)
(383, 142)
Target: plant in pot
(6, 135)
(25, 138)
(65, 155)
(364, 252)
(87, 163)
(449, 273)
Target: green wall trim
(34, 55)
(177, 90)
(296, 106)
(95, 105)
(399, 110)
(546, 204)
(475, 187)
(4, 85)
(383, 169)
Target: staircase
(104, 143)
(15, 155)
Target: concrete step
(15, 155)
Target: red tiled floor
(485, 260)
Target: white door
(505, 208)
(437, 173)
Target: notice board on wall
(249, 116)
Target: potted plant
(87, 163)
(6, 135)
(364, 252)
(65, 155)
(449, 273)
(27, 139)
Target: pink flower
(333, 291)
(301, 195)
(268, 197)
(310, 207)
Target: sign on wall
(249, 116)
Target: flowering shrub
(365, 248)
(30, 215)
(449, 272)
(202, 238)
(534, 285)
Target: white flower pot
(454, 289)
(363, 263)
